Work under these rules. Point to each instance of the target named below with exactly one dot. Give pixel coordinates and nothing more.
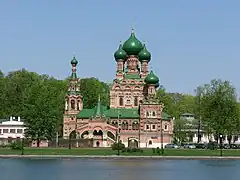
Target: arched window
(78, 103)
(165, 127)
(72, 104)
(120, 101)
(147, 114)
(124, 126)
(153, 114)
(150, 142)
(135, 101)
(135, 125)
(114, 123)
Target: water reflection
(65, 169)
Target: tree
(2, 93)
(43, 109)
(91, 88)
(180, 130)
(175, 104)
(219, 107)
(16, 83)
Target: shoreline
(115, 157)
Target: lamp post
(69, 140)
(162, 150)
(221, 144)
(118, 135)
(22, 148)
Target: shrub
(16, 146)
(118, 146)
(131, 150)
(212, 145)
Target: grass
(109, 152)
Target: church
(135, 117)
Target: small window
(5, 130)
(78, 107)
(135, 101)
(128, 101)
(72, 104)
(166, 127)
(147, 126)
(120, 101)
(153, 114)
(19, 131)
(153, 127)
(147, 114)
(150, 142)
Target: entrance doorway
(132, 143)
(98, 143)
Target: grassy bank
(107, 151)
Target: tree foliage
(91, 88)
(39, 99)
(180, 130)
(219, 107)
(176, 104)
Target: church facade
(134, 116)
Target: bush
(212, 145)
(118, 146)
(131, 150)
(16, 146)
(153, 150)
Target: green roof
(74, 92)
(132, 76)
(114, 112)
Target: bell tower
(73, 102)
(150, 110)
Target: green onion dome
(151, 78)
(120, 53)
(74, 61)
(144, 54)
(132, 46)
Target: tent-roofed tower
(73, 100)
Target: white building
(11, 129)
(204, 137)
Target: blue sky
(191, 42)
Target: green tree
(2, 94)
(91, 88)
(16, 83)
(180, 130)
(219, 107)
(43, 109)
(175, 104)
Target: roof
(11, 122)
(132, 76)
(113, 113)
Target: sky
(191, 42)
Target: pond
(82, 169)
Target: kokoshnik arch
(133, 110)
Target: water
(78, 169)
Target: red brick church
(134, 115)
